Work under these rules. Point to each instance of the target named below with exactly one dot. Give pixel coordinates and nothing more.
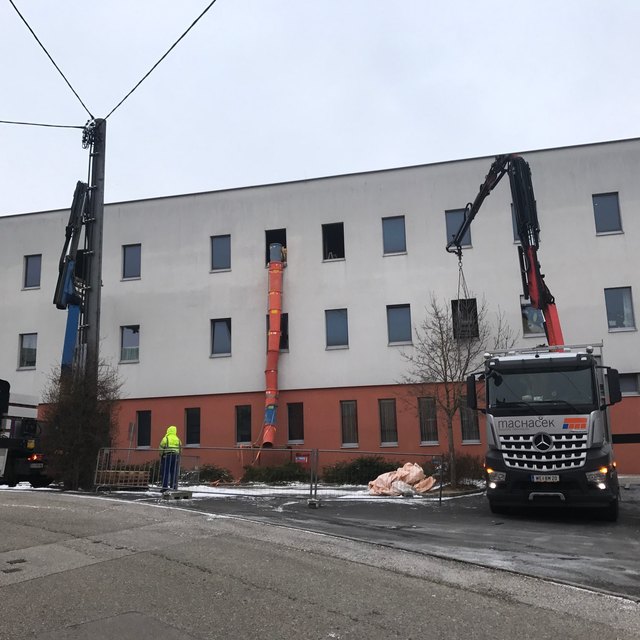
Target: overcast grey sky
(267, 91)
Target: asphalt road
(83, 566)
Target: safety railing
(311, 474)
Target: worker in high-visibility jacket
(170, 447)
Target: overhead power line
(161, 59)
(43, 124)
(52, 60)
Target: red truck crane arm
(528, 230)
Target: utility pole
(95, 137)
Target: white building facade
(184, 295)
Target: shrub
(358, 471)
(213, 473)
(469, 468)
(288, 472)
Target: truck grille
(568, 451)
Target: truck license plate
(36, 465)
(545, 478)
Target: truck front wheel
(610, 513)
(498, 509)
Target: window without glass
(143, 420)
(469, 422)
(333, 241)
(453, 220)
(337, 329)
(284, 331)
(275, 236)
(28, 349)
(606, 210)
(243, 423)
(630, 383)
(32, 269)
(399, 323)
(464, 314)
(131, 261)
(220, 253)
(192, 425)
(428, 420)
(619, 308)
(221, 337)
(532, 319)
(349, 420)
(388, 424)
(393, 236)
(296, 422)
(130, 343)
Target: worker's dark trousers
(169, 464)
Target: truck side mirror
(472, 398)
(613, 380)
(4, 396)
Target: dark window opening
(333, 241)
(468, 422)
(273, 236)
(243, 423)
(454, 219)
(32, 269)
(465, 318)
(337, 327)
(192, 425)
(393, 235)
(399, 323)
(388, 422)
(606, 210)
(131, 258)
(349, 419)
(296, 421)
(28, 350)
(143, 420)
(220, 252)
(221, 337)
(428, 419)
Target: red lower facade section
(313, 419)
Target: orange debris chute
(276, 265)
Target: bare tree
(450, 345)
(80, 417)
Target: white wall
(177, 296)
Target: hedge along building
(185, 297)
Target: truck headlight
(598, 477)
(496, 476)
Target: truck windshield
(543, 390)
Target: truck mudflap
(567, 488)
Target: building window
(131, 261)
(32, 269)
(606, 210)
(284, 331)
(453, 221)
(333, 241)
(349, 421)
(28, 349)
(143, 420)
(388, 424)
(619, 308)
(399, 323)
(464, 314)
(130, 343)
(272, 236)
(337, 329)
(630, 384)
(296, 421)
(221, 337)
(468, 422)
(427, 413)
(532, 319)
(220, 253)
(243, 424)
(393, 235)
(192, 425)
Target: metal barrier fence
(312, 474)
(139, 469)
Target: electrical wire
(161, 59)
(43, 124)
(52, 60)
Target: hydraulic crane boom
(528, 229)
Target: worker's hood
(172, 431)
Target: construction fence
(311, 474)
